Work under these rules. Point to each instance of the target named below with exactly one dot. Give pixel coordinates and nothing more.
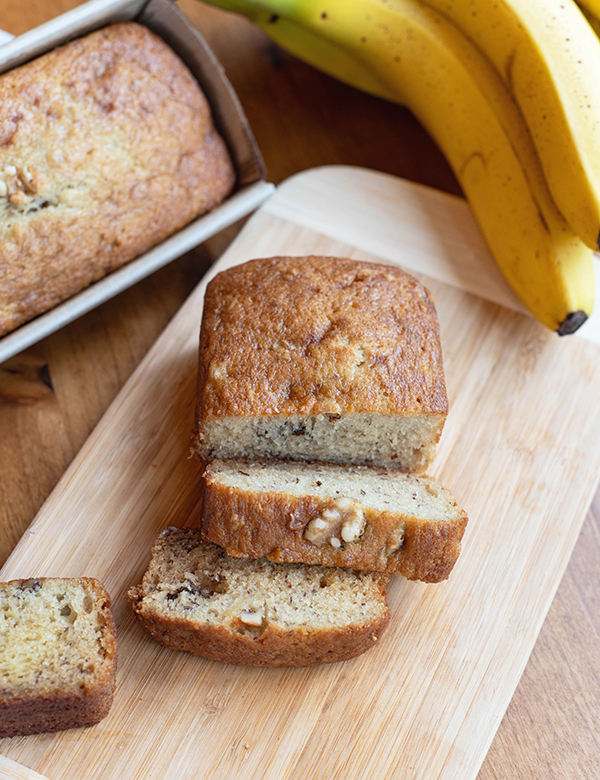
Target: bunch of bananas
(510, 91)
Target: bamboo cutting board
(520, 451)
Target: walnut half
(343, 520)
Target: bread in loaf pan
(360, 517)
(107, 146)
(196, 598)
(59, 655)
(320, 358)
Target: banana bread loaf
(196, 598)
(59, 655)
(356, 516)
(107, 146)
(320, 358)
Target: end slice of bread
(59, 655)
(320, 358)
(316, 513)
(196, 598)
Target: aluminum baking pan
(165, 19)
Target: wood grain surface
(54, 394)
(12, 770)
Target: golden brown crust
(318, 335)
(34, 715)
(107, 146)
(25, 711)
(272, 525)
(273, 647)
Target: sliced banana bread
(194, 597)
(320, 358)
(356, 516)
(58, 655)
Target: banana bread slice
(316, 513)
(194, 597)
(320, 358)
(59, 655)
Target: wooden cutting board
(520, 451)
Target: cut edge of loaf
(320, 358)
(404, 442)
(34, 704)
(316, 513)
(252, 621)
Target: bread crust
(318, 336)
(107, 146)
(237, 643)
(35, 715)
(41, 709)
(272, 525)
(273, 647)
(290, 331)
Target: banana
(307, 45)
(549, 59)
(430, 67)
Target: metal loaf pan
(165, 19)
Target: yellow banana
(309, 46)
(432, 68)
(549, 59)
